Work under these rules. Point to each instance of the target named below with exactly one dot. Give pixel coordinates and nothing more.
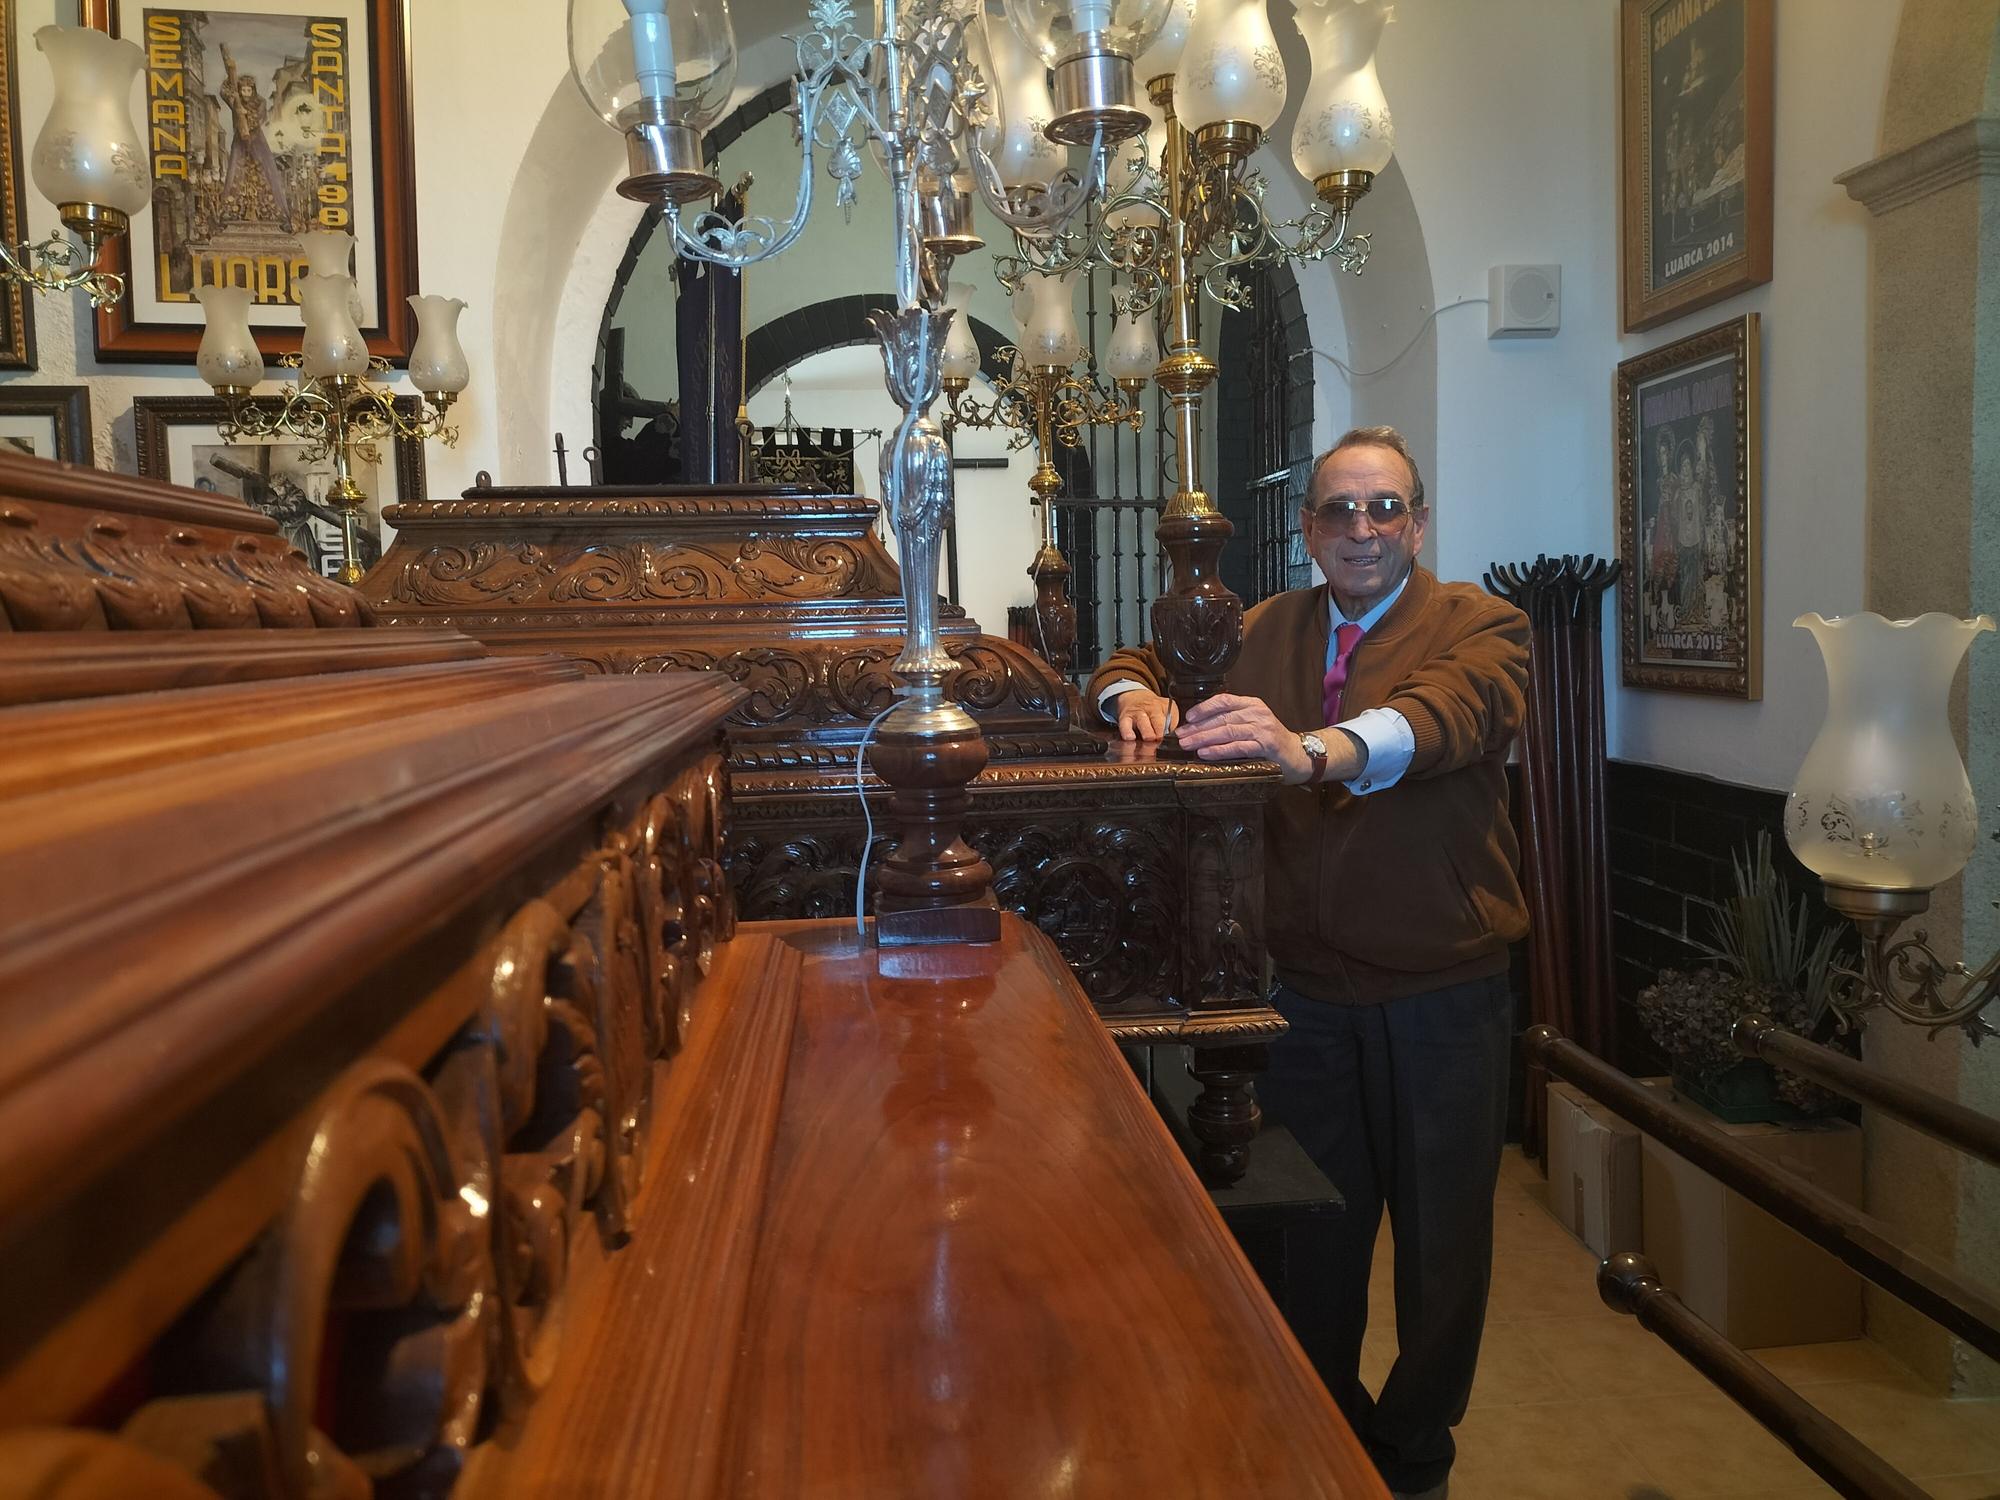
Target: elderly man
(1389, 700)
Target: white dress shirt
(1384, 733)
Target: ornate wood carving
(110, 584)
(790, 593)
(1198, 624)
(77, 567)
(412, 1292)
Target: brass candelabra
(339, 417)
(1045, 405)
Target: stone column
(1934, 544)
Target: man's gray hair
(1375, 437)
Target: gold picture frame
(1690, 514)
(1695, 154)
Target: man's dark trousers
(1403, 1105)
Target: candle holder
(922, 91)
(1185, 219)
(333, 407)
(339, 417)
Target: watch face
(1312, 744)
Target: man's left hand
(1228, 727)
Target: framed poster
(1690, 523)
(1695, 157)
(47, 421)
(177, 440)
(265, 119)
(17, 314)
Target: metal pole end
(1626, 1280)
(1749, 1034)
(1539, 1039)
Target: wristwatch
(1314, 746)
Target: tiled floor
(1576, 1402)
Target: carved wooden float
(1145, 871)
(390, 1103)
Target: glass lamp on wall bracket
(89, 161)
(1883, 811)
(333, 407)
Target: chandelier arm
(831, 92)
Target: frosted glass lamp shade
(1882, 801)
(1052, 339)
(330, 252)
(333, 344)
(1025, 157)
(961, 349)
(89, 151)
(1164, 56)
(228, 358)
(1230, 70)
(1062, 29)
(670, 62)
(437, 365)
(1134, 352)
(1343, 123)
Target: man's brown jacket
(1413, 888)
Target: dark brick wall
(1673, 836)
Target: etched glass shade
(1061, 29)
(1230, 68)
(89, 150)
(438, 364)
(1343, 123)
(332, 344)
(228, 358)
(1164, 56)
(664, 61)
(961, 349)
(330, 252)
(1025, 156)
(1052, 339)
(1882, 801)
(1134, 352)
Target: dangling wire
(868, 817)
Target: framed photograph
(1695, 158)
(17, 307)
(265, 119)
(1690, 522)
(47, 421)
(178, 440)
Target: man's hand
(1144, 716)
(1227, 727)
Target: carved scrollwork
(592, 571)
(70, 569)
(366, 1306)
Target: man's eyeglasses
(1387, 514)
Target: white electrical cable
(868, 843)
(1353, 374)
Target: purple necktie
(1345, 638)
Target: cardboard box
(1740, 1270)
(1594, 1172)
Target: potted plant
(1773, 955)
